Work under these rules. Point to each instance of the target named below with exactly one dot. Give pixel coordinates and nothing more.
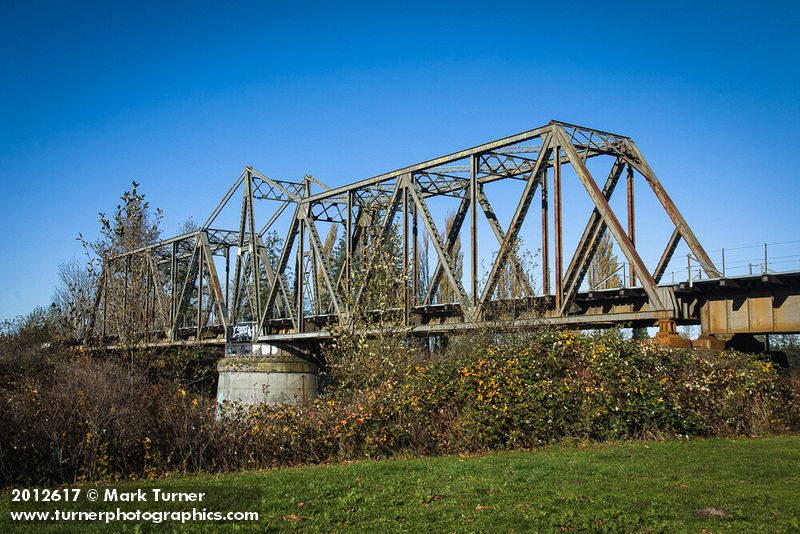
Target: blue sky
(180, 96)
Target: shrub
(528, 389)
(84, 422)
(90, 419)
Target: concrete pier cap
(252, 373)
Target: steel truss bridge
(213, 284)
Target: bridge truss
(280, 276)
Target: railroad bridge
(298, 258)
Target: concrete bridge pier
(667, 335)
(263, 373)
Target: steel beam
(450, 243)
(473, 234)
(640, 163)
(519, 216)
(323, 266)
(631, 217)
(587, 245)
(672, 244)
(500, 235)
(558, 229)
(216, 287)
(610, 219)
(444, 258)
(391, 210)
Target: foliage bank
(86, 419)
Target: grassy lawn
(625, 486)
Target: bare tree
(513, 275)
(604, 269)
(446, 293)
(328, 250)
(423, 255)
(74, 296)
(188, 226)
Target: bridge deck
(756, 304)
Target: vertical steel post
(106, 269)
(545, 237)
(300, 277)
(348, 260)
(237, 280)
(200, 259)
(414, 255)
(317, 304)
(150, 303)
(155, 300)
(405, 257)
(557, 225)
(125, 291)
(631, 218)
(317, 300)
(147, 304)
(766, 270)
(473, 192)
(228, 280)
(723, 263)
(173, 275)
(256, 306)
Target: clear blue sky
(181, 96)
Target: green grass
(624, 486)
